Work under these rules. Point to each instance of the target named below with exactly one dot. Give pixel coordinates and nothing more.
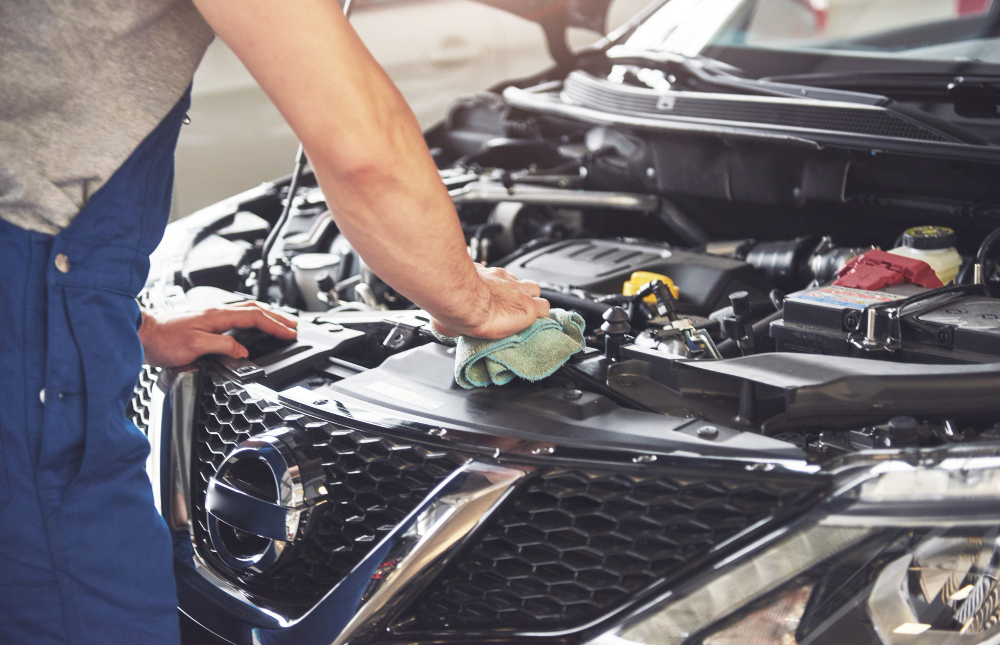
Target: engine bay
(787, 326)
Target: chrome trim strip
(411, 564)
(408, 558)
(183, 386)
(158, 412)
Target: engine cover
(603, 266)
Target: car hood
(586, 14)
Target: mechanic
(92, 97)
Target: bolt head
(851, 320)
(573, 395)
(321, 401)
(708, 432)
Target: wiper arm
(975, 96)
(718, 74)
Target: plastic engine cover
(603, 266)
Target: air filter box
(604, 266)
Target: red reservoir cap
(877, 270)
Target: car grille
(138, 407)
(599, 94)
(576, 544)
(566, 547)
(373, 483)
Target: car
(784, 428)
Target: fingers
(541, 307)
(205, 343)
(220, 320)
(530, 288)
(273, 313)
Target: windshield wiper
(716, 74)
(974, 96)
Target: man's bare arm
(371, 161)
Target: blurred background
(434, 50)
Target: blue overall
(84, 555)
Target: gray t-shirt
(81, 85)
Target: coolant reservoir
(935, 245)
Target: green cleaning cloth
(532, 354)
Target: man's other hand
(505, 306)
(179, 339)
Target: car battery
(962, 329)
(969, 327)
(820, 320)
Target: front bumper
(418, 533)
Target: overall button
(62, 263)
(41, 395)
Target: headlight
(905, 554)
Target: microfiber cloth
(531, 354)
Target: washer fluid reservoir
(935, 245)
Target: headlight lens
(773, 624)
(897, 562)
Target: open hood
(586, 14)
(555, 16)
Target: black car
(778, 220)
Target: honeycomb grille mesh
(576, 544)
(601, 95)
(138, 407)
(568, 546)
(372, 482)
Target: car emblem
(260, 499)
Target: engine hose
(984, 248)
(729, 349)
(264, 274)
(590, 309)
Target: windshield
(959, 31)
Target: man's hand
(506, 306)
(174, 340)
